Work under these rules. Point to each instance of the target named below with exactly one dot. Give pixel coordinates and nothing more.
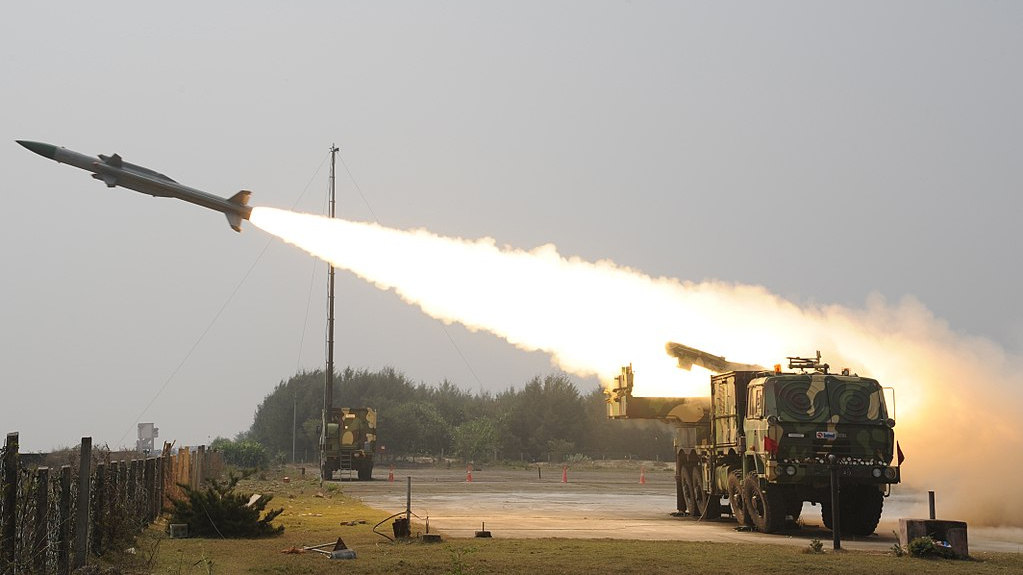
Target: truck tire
(366, 472)
(793, 507)
(863, 510)
(737, 499)
(708, 506)
(688, 493)
(766, 507)
(859, 510)
(826, 513)
(681, 507)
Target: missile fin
(241, 198)
(107, 179)
(235, 221)
(112, 161)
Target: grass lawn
(314, 515)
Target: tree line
(548, 419)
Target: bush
(243, 453)
(927, 547)
(218, 511)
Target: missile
(687, 356)
(113, 171)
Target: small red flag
(898, 448)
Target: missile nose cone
(44, 150)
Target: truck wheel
(859, 510)
(707, 506)
(366, 472)
(680, 499)
(826, 512)
(793, 507)
(766, 508)
(688, 493)
(737, 500)
(863, 509)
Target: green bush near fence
(218, 511)
(245, 453)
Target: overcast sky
(825, 151)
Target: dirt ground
(608, 503)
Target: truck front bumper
(801, 473)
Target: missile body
(687, 356)
(115, 172)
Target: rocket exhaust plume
(958, 398)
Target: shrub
(243, 453)
(927, 547)
(816, 546)
(218, 511)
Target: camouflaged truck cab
(772, 447)
(763, 443)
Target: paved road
(607, 504)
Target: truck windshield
(821, 399)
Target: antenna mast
(328, 395)
(328, 385)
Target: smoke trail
(958, 397)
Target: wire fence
(55, 514)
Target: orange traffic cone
(564, 474)
(390, 474)
(642, 475)
(468, 474)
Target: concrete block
(938, 529)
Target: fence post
(10, 501)
(149, 487)
(161, 464)
(140, 487)
(98, 508)
(131, 489)
(167, 476)
(200, 458)
(64, 521)
(82, 503)
(115, 498)
(42, 493)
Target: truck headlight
(890, 473)
(876, 472)
(790, 470)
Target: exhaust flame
(958, 397)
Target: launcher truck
(349, 442)
(763, 438)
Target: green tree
(415, 428)
(298, 399)
(475, 439)
(546, 410)
(548, 414)
(242, 453)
